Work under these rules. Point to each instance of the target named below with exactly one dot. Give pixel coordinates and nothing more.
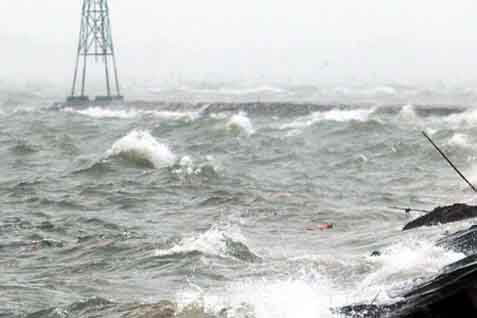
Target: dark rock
(451, 294)
(376, 254)
(442, 215)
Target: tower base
(99, 100)
(77, 100)
(108, 99)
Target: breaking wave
(223, 242)
(240, 123)
(310, 290)
(140, 146)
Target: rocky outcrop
(443, 215)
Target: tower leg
(106, 73)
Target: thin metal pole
(450, 162)
(105, 45)
(73, 87)
(110, 42)
(85, 46)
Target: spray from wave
(307, 297)
(308, 290)
(404, 264)
(140, 146)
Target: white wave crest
(459, 140)
(240, 122)
(337, 115)
(211, 242)
(140, 145)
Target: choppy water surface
(213, 209)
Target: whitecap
(240, 122)
(408, 113)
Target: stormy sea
(212, 201)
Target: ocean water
(213, 209)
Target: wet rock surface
(443, 215)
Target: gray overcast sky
(311, 41)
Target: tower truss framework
(95, 43)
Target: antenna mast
(95, 40)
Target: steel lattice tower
(95, 41)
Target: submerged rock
(442, 215)
(451, 294)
